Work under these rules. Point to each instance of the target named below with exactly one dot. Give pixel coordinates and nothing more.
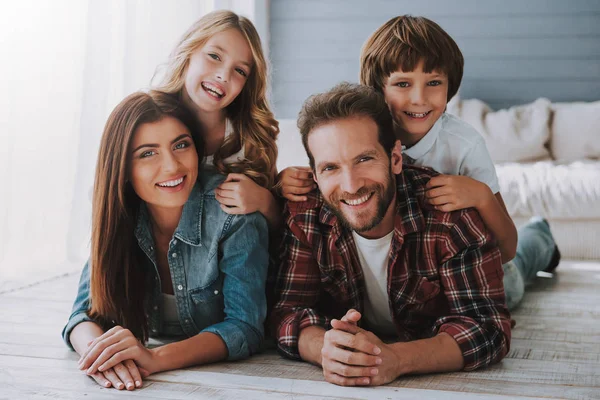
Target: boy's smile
(416, 99)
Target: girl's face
(163, 164)
(218, 70)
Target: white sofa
(547, 157)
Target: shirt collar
(189, 228)
(426, 143)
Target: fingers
(351, 358)
(101, 380)
(294, 197)
(98, 345)
(135, 372)
(349, 327)
(352, 316)
(441, 200)
(436, 181)
(304, 173)
(344, 381)
(233, 177)
(106, 354)
(354, 342)
(124, 375)
(127, 354)
(114, 379)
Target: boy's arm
(496, 219)
(453, 192)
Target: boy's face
(416, 100)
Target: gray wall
(515, 50)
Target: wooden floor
(555, 353)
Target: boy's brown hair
(401, 43)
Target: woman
(165, 259)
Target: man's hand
(349, 359)
(454, 192)
(389, 366)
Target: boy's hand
(295, 182)
(454, 192)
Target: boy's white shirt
(239, 156)
(454, 147)
(374, 259)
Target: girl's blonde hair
(255, 128)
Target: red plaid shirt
(444, 274)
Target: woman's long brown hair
(118, 279)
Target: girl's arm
(453, 192)
(239, 194)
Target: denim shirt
(218, 265)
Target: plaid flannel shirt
(444, 274)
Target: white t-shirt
(239, 156)
(374, 259)
(454, 147)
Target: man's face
(355, 175)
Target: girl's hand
(125, 375)
(294, 182)
(239, 194)
(454, 192)
(117, 346)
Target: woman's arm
(244, 263)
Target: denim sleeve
(244, 264)
(80, 307)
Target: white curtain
(64, 65)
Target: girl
(165, 259)
(219, 71)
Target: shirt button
(174, 255)
(187, 321)
(154, 330)
(180, 287)
(216, 292)
(155, 307)
(174, 241)
(151, 248)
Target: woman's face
(163, 164)
(218, 71)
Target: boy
(418, 67)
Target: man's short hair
(346, 100)
(401, 43)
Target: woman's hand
(239, 194)
(125, 375)
(295, 182)
(114, 347)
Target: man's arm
(471, 277)
(296, 289)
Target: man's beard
(384, 195)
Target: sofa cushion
(519, 133)
(553, 190)
(575, 131)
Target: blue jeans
(535, 248)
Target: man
(375, 283)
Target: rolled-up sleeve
(296, 291)
(80, 306)
(479, 320)
(244, 265)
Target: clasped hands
(352, 356)
(118, 359)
